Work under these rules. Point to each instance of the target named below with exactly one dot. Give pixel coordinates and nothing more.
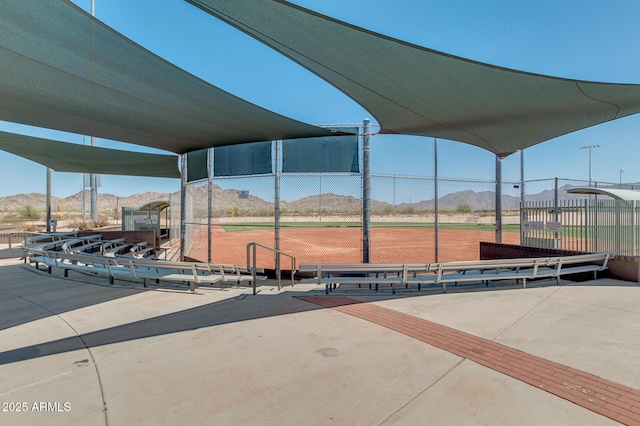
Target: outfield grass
(255, 226)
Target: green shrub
(28, 212)
(464, 208)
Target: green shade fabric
(70, 157)
(323, 155)
(197, 165)
(239, 160)
(417, 91)
(63, 69)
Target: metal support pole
(555, 199)
(589, 167)
(48, 207)
(587, 231)
(633, 229)
(436, 197)
(94, 197)
(93, 183)
(498, 199)
(183, 199)
(590, 147)
(84, 197)
(617, 226)
(522, 195)
(209, 202)
(522, 191)
(320, 199)
(556, 212)
(276, 206)
(366, 192)
(595, 209)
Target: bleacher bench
(443, 273)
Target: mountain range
(225, 199)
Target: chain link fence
(319, 217)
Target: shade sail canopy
(70, 157)
(618, 194)
(62, 69)
(417, 91)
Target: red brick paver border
(610, 399)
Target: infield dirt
(344, 245)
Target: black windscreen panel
(244, 159)
(197, 165)
(325, 154)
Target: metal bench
(443, 273)
(192, 273)
(362, 273)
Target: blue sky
(581, 39)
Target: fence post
(522, 215)
(596, 218)
(522, 190)
(631, 251)
(183, 198)
(436, 206)
(498, 199)
(522, 194)
(556, 215)
(366, 192)
(209, 202)
(48, 200)
(276, 213)
(587, 236)
(634, 242)
(617, 225)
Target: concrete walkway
(599, 395)
(80, 351)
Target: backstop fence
(321, 220)
(323, 217)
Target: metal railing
(590, 225)
(15, 234)
(252, 249)
(24, 235)
(61, 237)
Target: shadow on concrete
(241, 308)
(11, 253)
(19, 282)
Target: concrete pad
(165, 356)
(474, 395)
(60, 389)
(70, 397)
(485, 313)
(16, 311)
(588, 326)
(10, 256)
(140, 306)
(312, 367)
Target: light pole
(621, 172)
(590, 147)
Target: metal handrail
(25, 234)
(69, 235)
(254, 245)
(13, 234)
